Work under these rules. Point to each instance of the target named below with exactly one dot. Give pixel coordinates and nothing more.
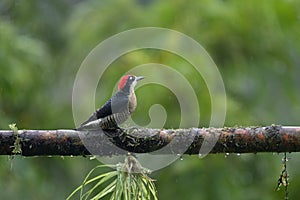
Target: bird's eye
(131, 78)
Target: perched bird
(117, 109)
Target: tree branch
(230, 140)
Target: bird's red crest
(123, 81)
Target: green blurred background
(255, 44)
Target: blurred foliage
(255, 44)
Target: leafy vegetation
(129, 181)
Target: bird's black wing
(117, 104)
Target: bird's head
(128, 82)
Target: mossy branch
(273, 138)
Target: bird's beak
(139, 78)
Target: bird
(117, 109)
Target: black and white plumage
(117, 109)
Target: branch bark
(273, 138)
